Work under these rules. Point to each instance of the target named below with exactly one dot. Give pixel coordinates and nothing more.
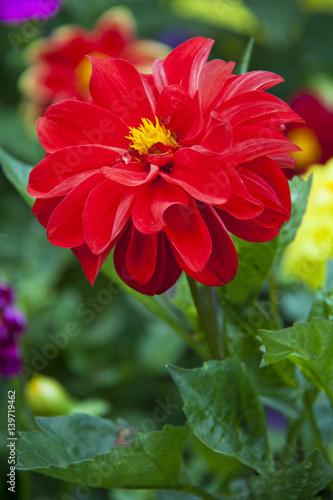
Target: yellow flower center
(148, 134)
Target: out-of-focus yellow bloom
(47, 397)
(307, 255)
(307, 140)
(232, 14)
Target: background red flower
(59, 68)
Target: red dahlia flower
(160, 167)
(59, 69)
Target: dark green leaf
(299, 190)
(254, 263)
(17, 173)
(308, 345)
(299, 483)
(95, 452)
(224, 410)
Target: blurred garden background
(102, 351)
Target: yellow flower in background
(232, 14)
(307, 255)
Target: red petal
(270, 187)
(91, 264)
(222, 265)
(184, 64)
(256, 105)
(240, 204)
(188, 234)
(65, 225)
(72, 122)
(159, 75)
(284, 160)
(219, 134)
(212, 80)
(253, 80)
(141, 255)
(252, 142)
(66, 163)
(131, 174)
(248, 230)
(200, 175)
(116, 85)
(105, 213)
(166, 270)
(67, 185)
(176, 108)
(151, 203)
(43, 209)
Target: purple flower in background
(12, 325)
(16, 11)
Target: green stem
(289, 450)
(162, 311)
(212, 312)
(203, 318)
(318, 441)
(273, 298)
(295, 429)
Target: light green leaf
(96, 452)
(298, 483)
(224, 411)
(299, 191)
(254, 263)
(17, 173)
(308, 345)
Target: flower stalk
(209, 338)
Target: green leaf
(254, 263)
(17, 173)
(323, 305)
(96, 452)
(308, 345)
(298, 483)
(299, 191)
(224, 411)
